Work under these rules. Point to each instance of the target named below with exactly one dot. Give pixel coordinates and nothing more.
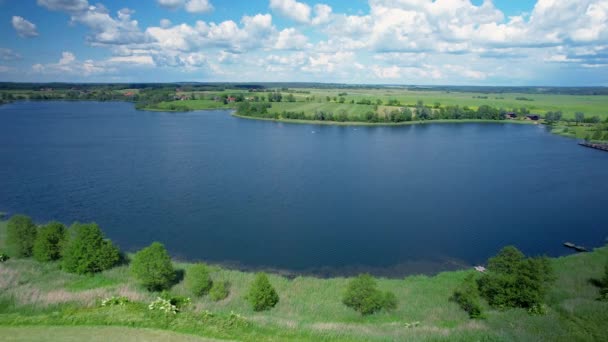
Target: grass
(41, 295)
(92, 334)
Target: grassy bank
(37, 295)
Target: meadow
(310, 100)
(35, 296)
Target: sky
(423, 42)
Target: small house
(511, 115)
(533, 117)
(231, 99)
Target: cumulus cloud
(68, 64)
(192, 6)
(403, 41)
(70, 6)
(297, 11)
(8, 54)
(172, 4)
(24, 28)
(198, 6)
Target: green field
(542, 103)
(591, 105)
(35, 296)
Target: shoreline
(380, 124)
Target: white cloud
(68, 64)
(8, 54)
(297, 11)
(24, 28)
(192, 6)
(198, 6)
(135, 59)
(322, 14)
(290, 39)
(171, 4)
(69, 6)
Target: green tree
(198, 279)
(467, 296)
(512, 280)
(49, 242)
(87, 251)
(219, 290)
(262, 296)
(153, 268)
(20, 236)
(363, 296)
(579, 117)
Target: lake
(302, 198)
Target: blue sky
(471, 42)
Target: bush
(515, 281)
(262, 295)
(49, 242)
(219, 290)
(20, 236)
(153, 268)
(3, 257)
(87, 251)
(467, 296)
(604, 288)
(198, 280)
(363, 296)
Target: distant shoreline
(380, 124)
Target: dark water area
(302, 198)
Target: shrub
(153, 268)
(467, 296)
(198, 280)
(163, 305)
(513, 280)
(111, 301)
(20, 236)
(87, 251)
(363, 296)
(49, 242)
(262, 295)
(3, 257)
(219, 290)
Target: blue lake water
(303, 198)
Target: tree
(363, 296)
(579, 117)
(198, 279)
(20, 236)
(219, 290)
(153, 268)
(49, 242)
(467, 296)
(291, 98)
(512, 280)
(87, 251)
(262, 296)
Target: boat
(576, 247)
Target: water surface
(328, 199)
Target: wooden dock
(601, 147)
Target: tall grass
(32, 293)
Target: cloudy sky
(476, 42)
